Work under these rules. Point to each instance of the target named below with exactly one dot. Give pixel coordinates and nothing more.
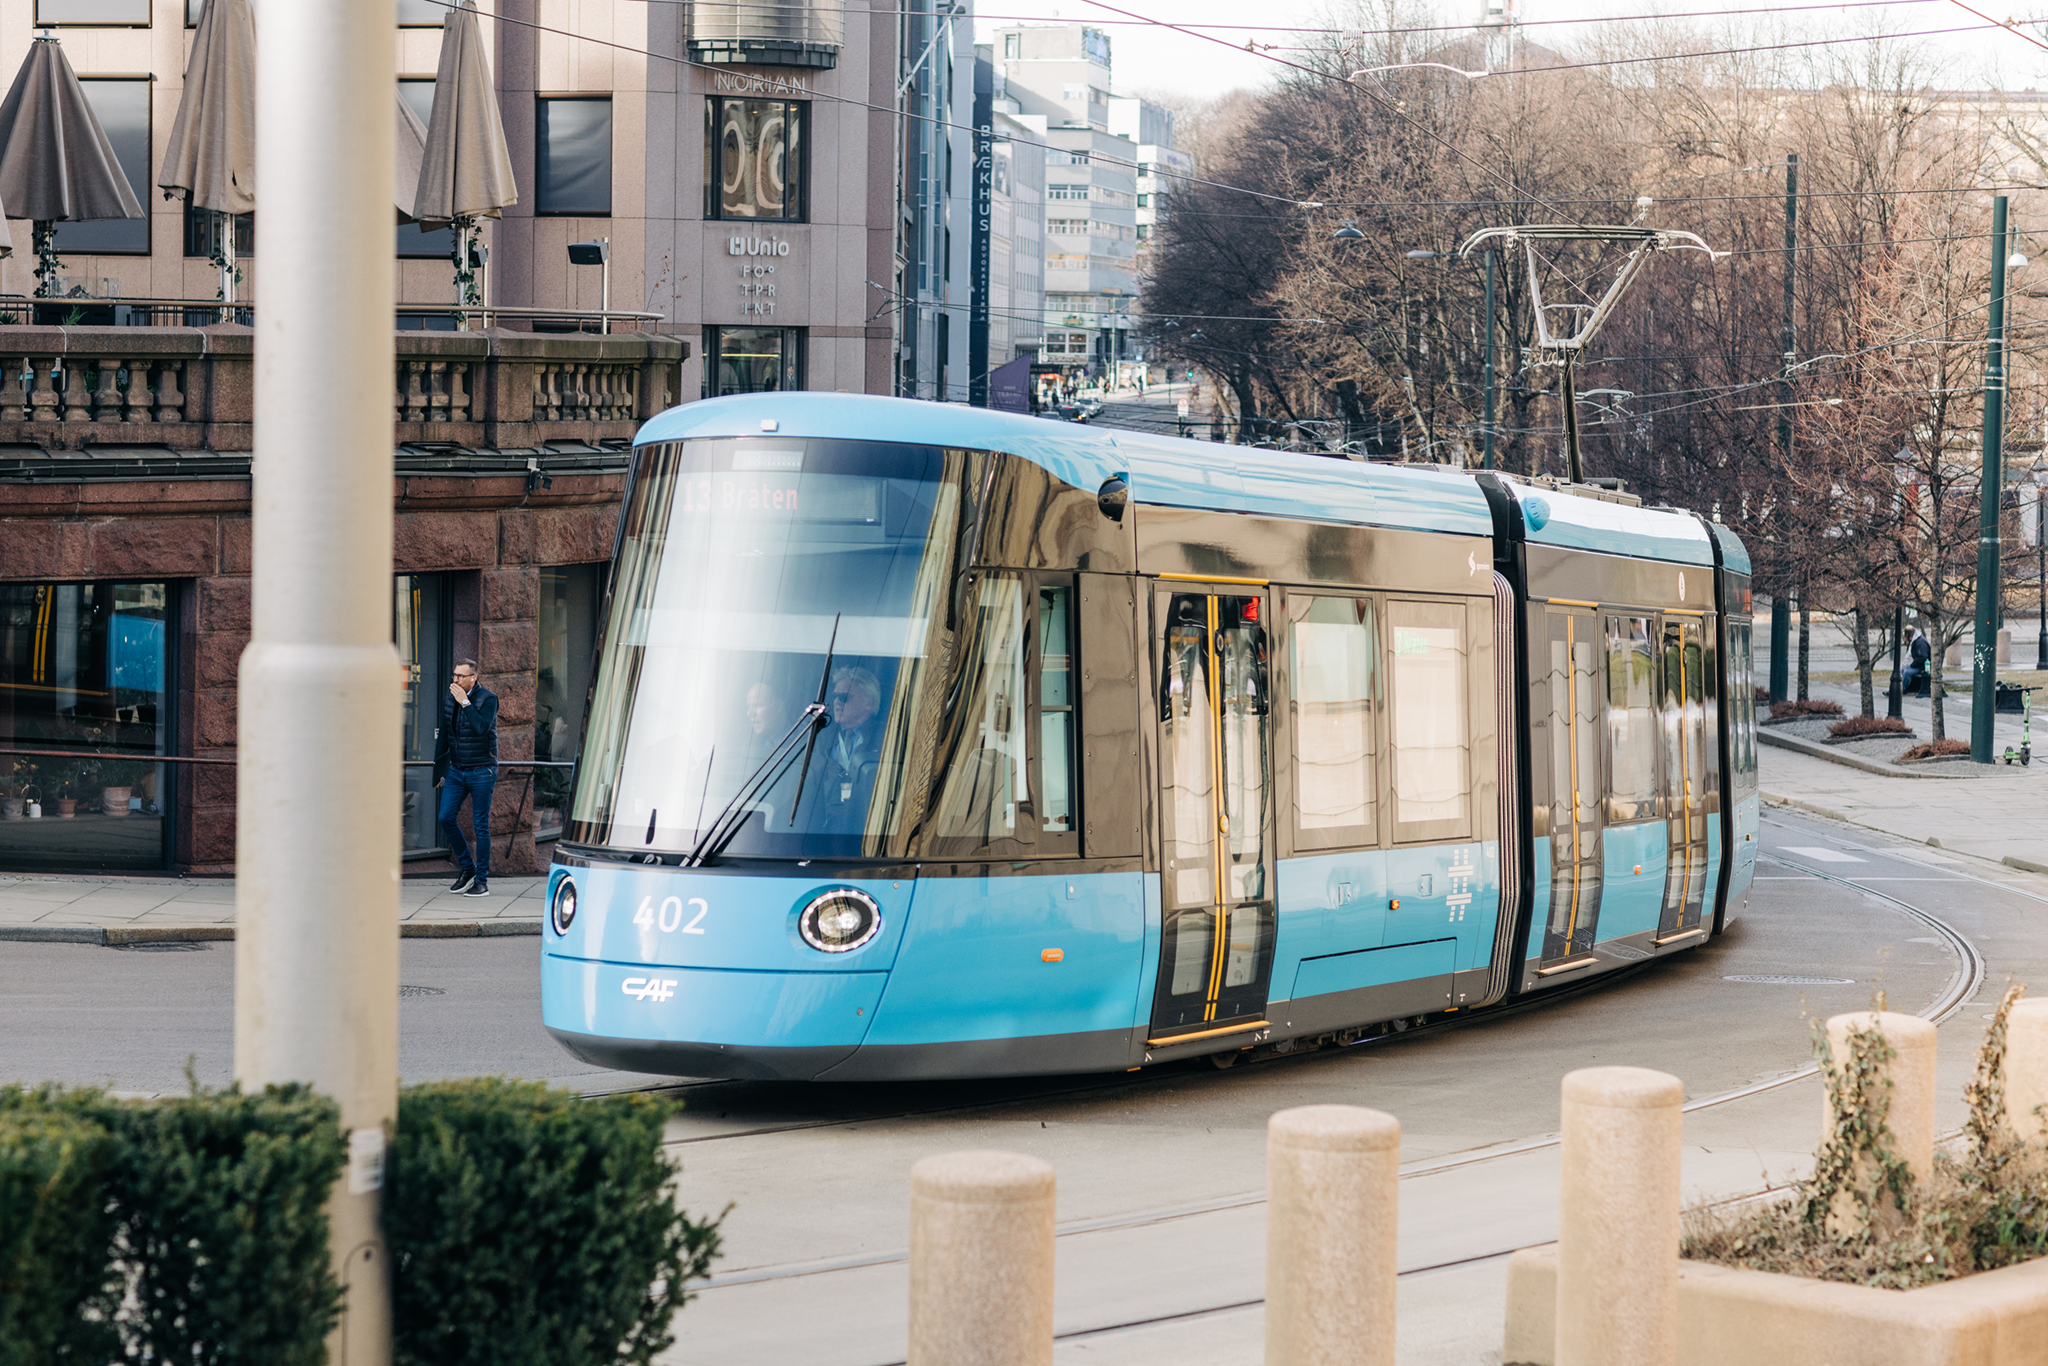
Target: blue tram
(933, 742)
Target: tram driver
(849, 750)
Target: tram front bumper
(707, 1022)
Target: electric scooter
(2026, 750)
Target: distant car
(1073, 412)
(1090, 407)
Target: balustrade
(190, 389)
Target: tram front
(809, 686)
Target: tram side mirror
(1114, 494)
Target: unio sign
(756, 246)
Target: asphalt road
(1161, 1174)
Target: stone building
(739, 161)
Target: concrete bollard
(1617, 1231)
(981, 1231)
(1332, 1177)
(2026, 1067)
(1911, 1117)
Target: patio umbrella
(56, 165)
(212, 156)
(466, 173)
(412, 145)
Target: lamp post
(2041, 569)
(1991, 480)
(597, 253)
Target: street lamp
(597, 253)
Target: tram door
(1576, 787)
(1682, 711)
(1216, 777)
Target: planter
(114, 801)
(67, 808)
(11, 808)
(1874, 735)
(1728, 1317)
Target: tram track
(1963, 982)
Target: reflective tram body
(931, 742)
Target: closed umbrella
(212, 156)
(466, 172)
(412, 145)
(56, 165)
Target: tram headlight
(565, 905)
(839, 920)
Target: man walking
(466, 766)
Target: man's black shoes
(462, 881)
(478, 888)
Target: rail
(121, 310)
(192, 759)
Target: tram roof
(1169, 471)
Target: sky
(1151, 58)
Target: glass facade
(109, 13)
(84, 667)
(122, 107)
(753, 360)
(423, 626)
(571, 596)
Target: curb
(1835, 756)
(2025, 865)
(187, 934)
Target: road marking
(1820, 855)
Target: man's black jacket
(467, 736)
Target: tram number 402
(670, 916)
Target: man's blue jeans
(477, 784)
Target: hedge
(529, 1227)
(57, 1284)
(525, 1226)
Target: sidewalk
(1995, 812)
(141, 910)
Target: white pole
(317, 833)
(226, 224)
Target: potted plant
(61, 777)
(119, 777)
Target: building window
(202, 228)
(1068, 226)
(83, 667)
(421, 14)
(1066, 192)
(413, 240)
(570, 598)
(752, 360)
(1067, 261)
(572, 155)
(101, 13)
(423, 627)
(754, 154)
(1144, 232)
(1012, 43)
(122, 107)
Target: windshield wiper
(724, 828)
(824, 683)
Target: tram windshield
(756, 578)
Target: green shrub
(58, 1289)
(214, 1215)
(530, 1227)
(223, 1205)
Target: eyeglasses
(840, 697)
(464, 677)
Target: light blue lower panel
(1539, 898)
(1631, 900)
(1015, 957)
(709, 1005)
(1374, 967)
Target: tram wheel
(1219, 1061)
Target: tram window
(983, 737)
(1056, 707)
(1334, 682)
(1430, 723)
(1631, 721)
